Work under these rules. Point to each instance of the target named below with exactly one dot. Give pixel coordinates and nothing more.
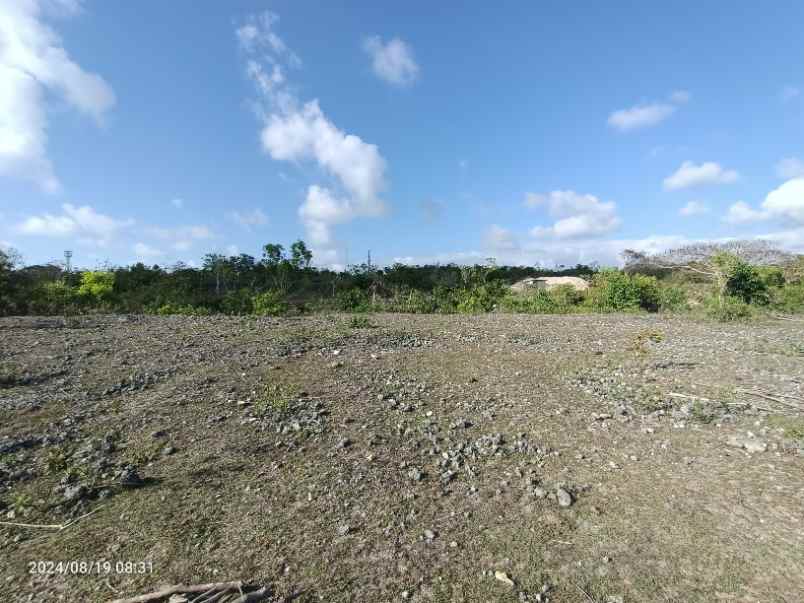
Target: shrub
(614, 290)
(790, 298)
(171, 309)
(672, 298)
(269, 303)
(415, 302)
(728, 308)
(238, 302)
(353, 300)
(479, 298)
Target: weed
(361, 322)
(792, 427)
(275, 399)
(640, 343)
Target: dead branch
(53, 526)
(181, 588)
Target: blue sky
(535, 133)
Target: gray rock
(343, 529)
(430, 534)
(416, 474)
(564, 498)
(747, 443)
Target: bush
(740, 279)
(790, 298)
(269, 303)
(614, 290)
(353, 300)
(479, 298)
(170, 309)
(672, 298)
(728, 308)
(238, 302)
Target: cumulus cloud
(693, 208)
(249, 219)
(392, 61)
(742, 213)
(690, 175)
(32, 62)
(83, 222)
(785, 204)
(790, 167)
(647, 114)
(295, 131)
(578, 216)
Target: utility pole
(68, 266)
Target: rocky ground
(600, 458)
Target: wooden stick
(180, 588)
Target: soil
(498, 457)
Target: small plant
(360, 322)
(21, 504)
(9, 377)
(792, 427)
(701, 413)
(57, 460)
(275, 399)
(640, 343)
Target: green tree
(96, 286)
(272, 254)
(300, 256)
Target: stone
(430, 534)
(564, 498)
(343, 529)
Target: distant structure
(68, 261)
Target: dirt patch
(421, 458)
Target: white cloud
(785, 203)
(689, 175)
(295, 131)
(790, 167)
(177, 203)
(392, 62)
(693, 208)
(32, 61)
(499, 238)
(249, 219)
(143, 251)
(578, 215)
(640, 116)
(82, 222)
(788, 93)
(645, 115)
(742, 213)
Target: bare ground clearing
(600, 457)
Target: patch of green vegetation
(361, 322)
(9, 376)
(792, 427)
(275, 399)
(643, 338)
